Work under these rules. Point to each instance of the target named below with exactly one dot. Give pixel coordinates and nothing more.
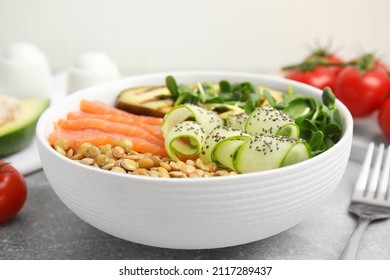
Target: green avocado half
(16, 135)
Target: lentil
(129, 165)
(109, 166)
(118, 169)
(63, 143)
(187, 169)
(60, 150)
(141, 171)
(118, 152)
(92, 152)
(83, 148)
(126, 144)
(146, 163)
(165, 165)
(177, 174)
(87, 161)
(101, 160)
(104, 148)
(77, 157)
(122, 159)
(69, 153)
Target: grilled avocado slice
(157, 101)
(146, 100)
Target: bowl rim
(347, 118)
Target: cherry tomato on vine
(384, 117)
(13, 191)
(362, 92)
(327, 57)
(382, 65)
(319, 77)
(316, 70)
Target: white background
(150, 35)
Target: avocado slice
(157, 101)
(223, 110)
(153, 101)
(17, 134)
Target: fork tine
(382, 191)
(369, 202)
(371, 189)
(361, 183)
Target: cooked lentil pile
(121, 158)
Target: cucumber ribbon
(265, 139)
(185, 140)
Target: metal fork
(370, 199)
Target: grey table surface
(47, 229)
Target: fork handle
(350, 250)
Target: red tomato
(363, 92)
(13, 191)
(311, 73)
(325, 53)
(319, 77)
(380, 64)
(333, 58)
(384, 117)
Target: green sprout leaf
(332, 129)
(320, 125)
(268, 96)
(225, 86)
(316, 140)
(250, 106)
(300, 107)
(335, 117)
(309, 125)
(328, 143)
(328, 98)
(172, 87)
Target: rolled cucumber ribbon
(222, 144)
(206, 118)
(269, 152)
(265, 120)
(192, 131)
(185, 140)
(243, 153)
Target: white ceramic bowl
(192, 213)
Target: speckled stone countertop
(47, 229)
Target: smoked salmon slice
(98, 138)
(97, 107)
(110, 127)
(100, 124)
(153, 129)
